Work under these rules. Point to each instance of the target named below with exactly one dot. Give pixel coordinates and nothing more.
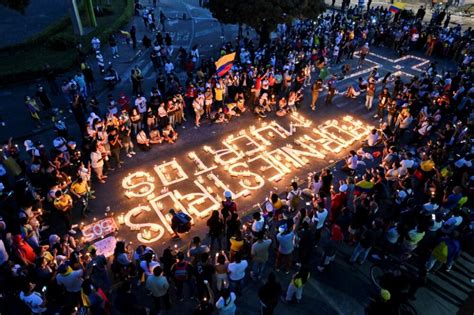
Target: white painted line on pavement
(334, 304)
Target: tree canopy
(264, 15)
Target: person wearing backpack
(180, 223)
(294, 197)
(182, 273)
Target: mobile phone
(433, 216)
(44, 289)
(308, 203)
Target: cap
(28, 144)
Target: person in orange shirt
(63, 204)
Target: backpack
(181, 271)
(184, 222)
(295, 201)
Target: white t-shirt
(34, 302)
(257, 226)
(372, 139)
(72, 282)
(226, 307)
(320, 217)
(96, 160)
(148, 270)
(237, 270)
(140, 103)
(352, 162)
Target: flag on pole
(224, 64)
(397, 7)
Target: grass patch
(56, 45)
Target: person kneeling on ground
(155, 137)
(352, 92)
(180, 222)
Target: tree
(264, 15)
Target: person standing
(158, 286)
(182, 273)
(97, 163)
(315, 88)
(331, 90)
(236, 271)
(369, 98)
(364, 51)
(269, 294)
(113, 46)
(216, 229)
(295, 288)
(133, 36)
(259, 253)
(286, 241)
(319, 219)
(63, 204)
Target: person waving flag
(224, 64)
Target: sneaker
(133, 153)
(129, 155)
(121, 162)
(71, 231)
(277, 270)
(111, 169)
(320, 268)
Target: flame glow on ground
(241, 163)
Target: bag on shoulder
(184, 222)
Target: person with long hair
(226, 303)
(216, 229)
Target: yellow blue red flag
(224, 64)
(397, 7)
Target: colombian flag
(224, 64)
(397, 7)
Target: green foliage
(17, 5)
(25, 61)
(62, 41)
(264, 15)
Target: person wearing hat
(228, 205)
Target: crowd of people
(412, 202)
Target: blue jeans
(236, 285)
(358, 251)
(258, 269)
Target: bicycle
(389, 266)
